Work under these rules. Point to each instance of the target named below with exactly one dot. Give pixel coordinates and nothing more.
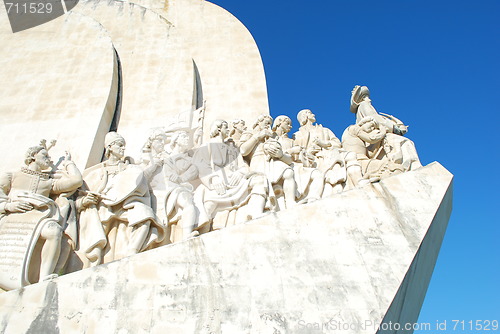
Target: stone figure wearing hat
(361, 105)
(116, 218)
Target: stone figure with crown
(36, 218)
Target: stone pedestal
(348, 263)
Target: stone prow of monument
(357, 261)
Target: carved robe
(20, 232)
(331, 160)
(221, 160)
(260, 162)
(125, 203)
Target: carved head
(156, 141)
(39, 155)
(181, 139)
(306, 115)
(368, 124)
(283, 122)
(114, 144)
(219, 127)
(237, 125)
(263, 122)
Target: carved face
(158, 145)
(240, 126)
(286, 125)
(311, 117)
(368, 127)
(224, 130)
(42, 159)
(117, 148)
(265, 123)
(183, 140)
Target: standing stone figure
(264, 154)
(116, 218)
(169, 175)
(30, 220)
(178, 172)
(226, 183)
(361, 105)
(310, 181)
(338, 165)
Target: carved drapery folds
(54, 219)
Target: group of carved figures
(178, 189)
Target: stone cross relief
(56, 219)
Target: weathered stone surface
(354, 258)
(57, 81)
(62, 78)
(157, 72)
(228, 60)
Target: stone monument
(176, 204)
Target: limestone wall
(63, 80)
(57, 81)
(356, 258)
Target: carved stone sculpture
(170, 171)
(310, 181)
(179, 170)
(226, 182)
(264, 154)
(361, 106)
(369, 142)
(116, 218)
(238, 128)
(338, 166)
(31, 225)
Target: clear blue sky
(433, 64)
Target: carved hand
(235, 179)
(67, 156)
(90, 199)
(295, 150)
(18, 207)
(266, 133)
(218, 186)
(175, 178)
(321, 143)
(276, 152)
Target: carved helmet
(357, 95)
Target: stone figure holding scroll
(361, 106)
(116, 218)
(31, 224)
(227, 183)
